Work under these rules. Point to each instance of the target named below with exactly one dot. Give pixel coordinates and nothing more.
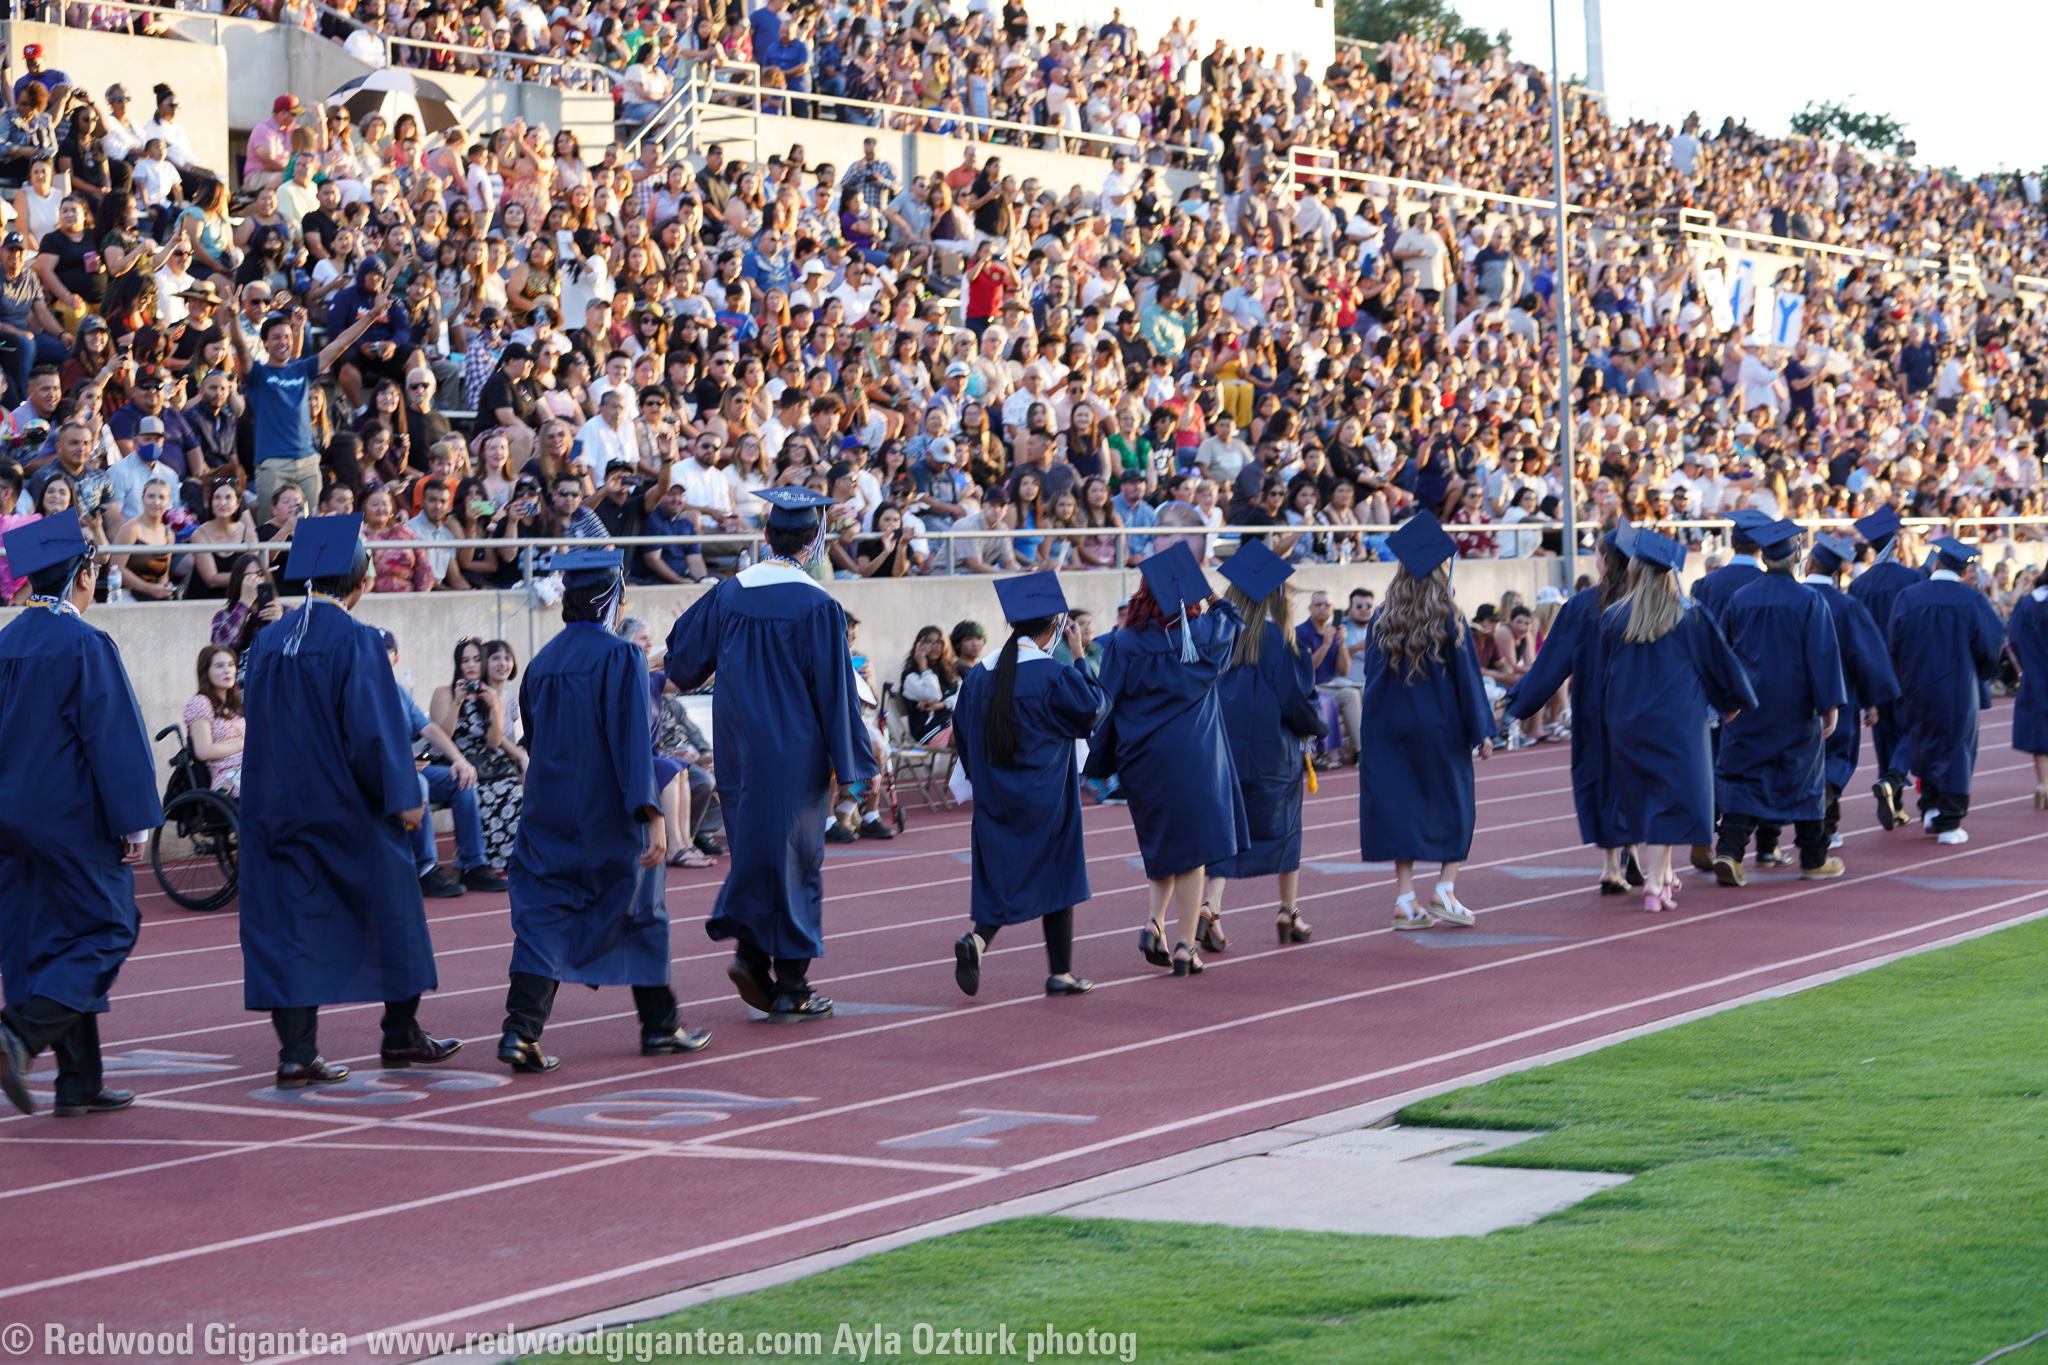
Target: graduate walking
(1877, 588)
(1163, 738)
(2026, 635)
(1714, 591)
(1015, 723)
(1866, 670)
(588, 865)
(787, 726)
(1664, 667)
(1269, 703)
(78, 799)
(1945, 643)
(331, 908)
(1773, 767)
(1426, 711)
(1572, 651)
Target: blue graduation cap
(1879, 525)
(1256, 570)
(1175, 578)
(793, 505)
(583, 568)
(1832, 552)
(1031, 596)
(1658, 549)
(1421, 545)
(1618, 537)
(324, 547)
(45, 543)
(1748, 522)
(1955, 550)
(1777, 538)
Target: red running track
(464, 1198)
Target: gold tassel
(1309, 764)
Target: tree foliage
(1878, 132)
(1380, 21)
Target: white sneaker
(1927, 822)
(1835, 841)
(1953, 836)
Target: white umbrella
(392, 91)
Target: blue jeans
(638, 111)
(437, 787)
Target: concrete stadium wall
(161, 641)
(94, 60)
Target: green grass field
(1858, 1173)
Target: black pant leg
(401, 1023)
(1059, 942)
(528, 1002)
(986, 932)
(1767, 837)
(1733, 841)
(1950, 808)
(657, 1009)
(1832, 817)
(79, 1074)
(298, 1034)
(792, 976)
(1812, 838)
(39, 1022)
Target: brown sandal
(1290, 926)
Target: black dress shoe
(840, 834)
(1068, 985)
(14, 1065)
(481, 878)
(800, 1009)
(438, 885)
(521, 1055)
(752, 983)
(319, 1071)
(875, 829)
(106, 1102)
(668, 1044)
(967, 963)
(710, 846)
(422, 1050)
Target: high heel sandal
(1663, 898)
(1631, 870)
(1446, 906)
(1191, 965)
(1209, 930)
(1152, 943)
(1290, 927)
(1613, 888)
(2041, 798)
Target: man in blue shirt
(276, 393)
(1322, 639)
(940, 486)
(452, 785)
(767, 263)
(1133, 510)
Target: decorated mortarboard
(1954, 549)
(45, 543)
(1175, 578)
(1421, 545)
(583, 568)
(1833, 551)
(1031, 596)
(1658, 549)
(1879, 524)
(324, 547)
(792, 505)
(1778, 538)
(1256, 570)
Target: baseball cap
(284, 103)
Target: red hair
(1144, 610)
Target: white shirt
(154, 179)
(604, 446)
(366, 47)
(169, 307)
(177, 146)
(428, 531)
(1115, 186)
(702, 487)
(128, 475)
(121, 139)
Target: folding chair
(927, 769)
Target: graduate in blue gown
(77, 802)
(1866, 669)
(1572, 650)
(1878, 588)
(1015, 723)
(1425, 711)
(1163, 738)
(1268, 697)
(331, 908)
(587, 867)
(1664, 668)
(1773, 766)
(1713, 591)
(1945, 642)
(786, 726)
(2026, 635)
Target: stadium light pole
(1561, 292)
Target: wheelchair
(196, 851)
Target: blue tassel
(1187, 640)
(298, 635)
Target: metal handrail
(491, 54)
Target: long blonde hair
(1276, 608)
(1419, 623)
(1654, 606)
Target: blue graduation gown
(1164, 739)
(2026, 631)
(787, 723)
(1028, 858)
(76, 777)
(1771, 765)
(1268, 708)
(331, 908)
(1713, 591)
(1945, 640)
(1572, 650)
(1657, 698)
(1866, 673)
(583, 909)
(1878, 589)
(1415, 788)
